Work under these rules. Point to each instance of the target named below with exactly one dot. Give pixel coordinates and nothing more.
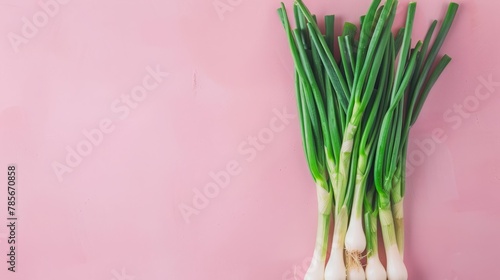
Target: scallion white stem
(317, 268)
(374, 269)
(396, 269)
(355, 240)
(398, 209)
(335, 269)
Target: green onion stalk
(356, 241)
(371, 40)
(388, 142)
(320, 129)
(335, 88)
(389, 174)
(422, 82)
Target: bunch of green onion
(356, 112)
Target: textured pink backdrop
(117, 214)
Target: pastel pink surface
(118, 215)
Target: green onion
(355, 116)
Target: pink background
(117, 216)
